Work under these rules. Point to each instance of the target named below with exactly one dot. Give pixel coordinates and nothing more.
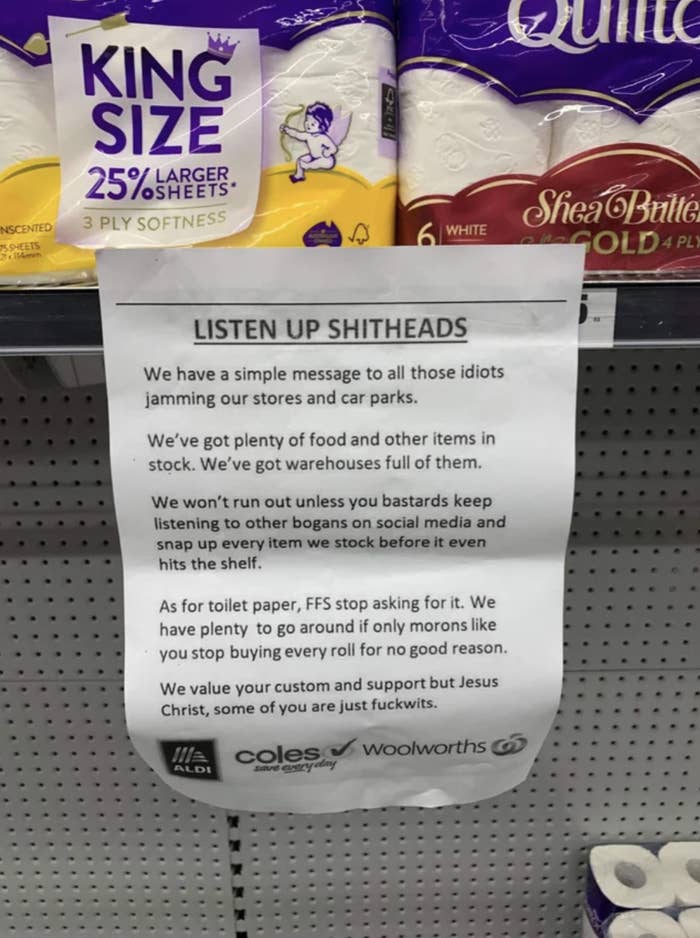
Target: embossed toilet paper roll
(455, 131)
(343, 67)
(27, 126)
(627, 877)
(28, 203)
(644, 924)
(578, 127)
(690, 922)
(682, 864)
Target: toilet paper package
(538, 121)
(622, 877)
(631, 885)
(181, 123)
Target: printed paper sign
(159, 130)
(343, 496)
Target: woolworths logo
(499, 747)
(460, 747)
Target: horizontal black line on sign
(392, 342)
(354, 303)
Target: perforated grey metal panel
(93, 843)
(623, 760)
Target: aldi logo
(191, 759)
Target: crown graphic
(221, 48)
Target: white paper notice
(343, 483)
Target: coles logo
(284, 757)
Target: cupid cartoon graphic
(323, 135)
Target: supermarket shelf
(645, 312)
(61, 321)
(657, 313)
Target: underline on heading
(252, 303)
(378, 342)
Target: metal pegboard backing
(622, 762)
(92, 843)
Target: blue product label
(24, 26)
(598, 908)
(636, 55)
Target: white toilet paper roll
(682, 864)
(28, 131)
(644, 924)
(27, 125)
(631, 877)
(690, 922)
(577, 127)
(341, 67)
(676, 126)
(455, 131)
